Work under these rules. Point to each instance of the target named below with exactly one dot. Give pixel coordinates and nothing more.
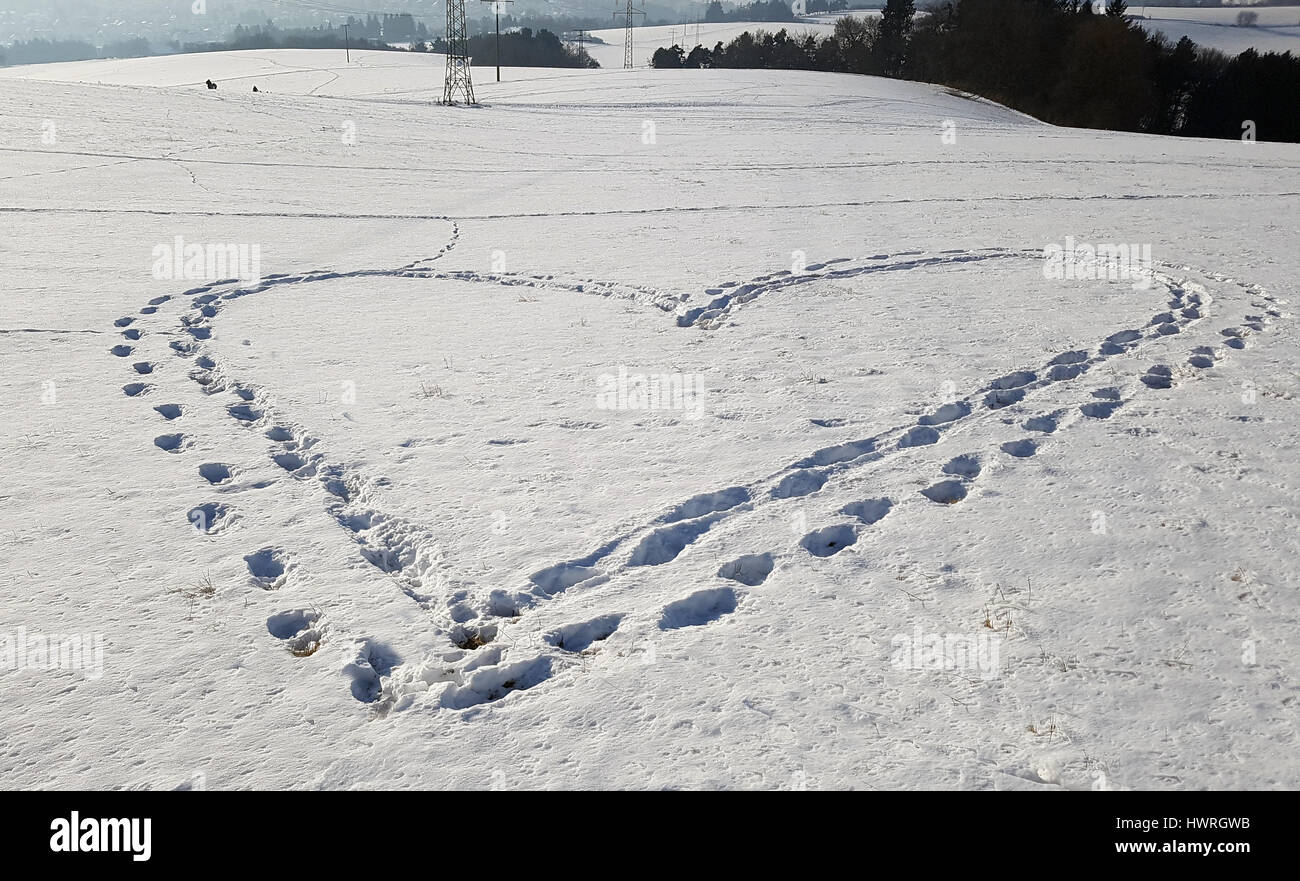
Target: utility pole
(496, 8)
(458, 77)
(627, 34)
(347, 45)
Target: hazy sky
(101, 21)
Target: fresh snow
(385, 519)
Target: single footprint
(579, 637)
(289, 461)
(171, 443)
(664, 544)
(751, 569)
(1158, 376)
(829, 540)
(214, 472)
(699, 608)
(302, 630)
(946, 492)
(918, 437)
(1106, 405)
(244, 412)
(268, 568)
(800, 483)
(209, 518)
(1021, 449)
(946, 413)
(967, 466)
(373, 660)
(869, 511)
(1046, 423)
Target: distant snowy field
(1277, 30)
(917, 516)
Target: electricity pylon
(458, 80)
(627, 34)
(583, 33)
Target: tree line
(1057, 60)
(522, 48)
(759, 10)
(400, 26)
(769, 10)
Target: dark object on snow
(211, 84)
(254, 88)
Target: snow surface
(396, 441)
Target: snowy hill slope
(385, 517)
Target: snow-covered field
(1277, 29)
(385, 517)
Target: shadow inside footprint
(947, 413)
(579, 637)
(920, 436)
(699, 608)
(171, 443)
(214, 472)
(947, 492)
(267, 568)
(999, 398)
(373, 661)
(1021, 449)
(561, 577)
(829, 540)
(800, 483)
(869, 511)
(289, 461)
(963, 466)
(244, 412)
(1158, 376)
(301, 630)
(751, 569)
(208, 518)
(1045, 424)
